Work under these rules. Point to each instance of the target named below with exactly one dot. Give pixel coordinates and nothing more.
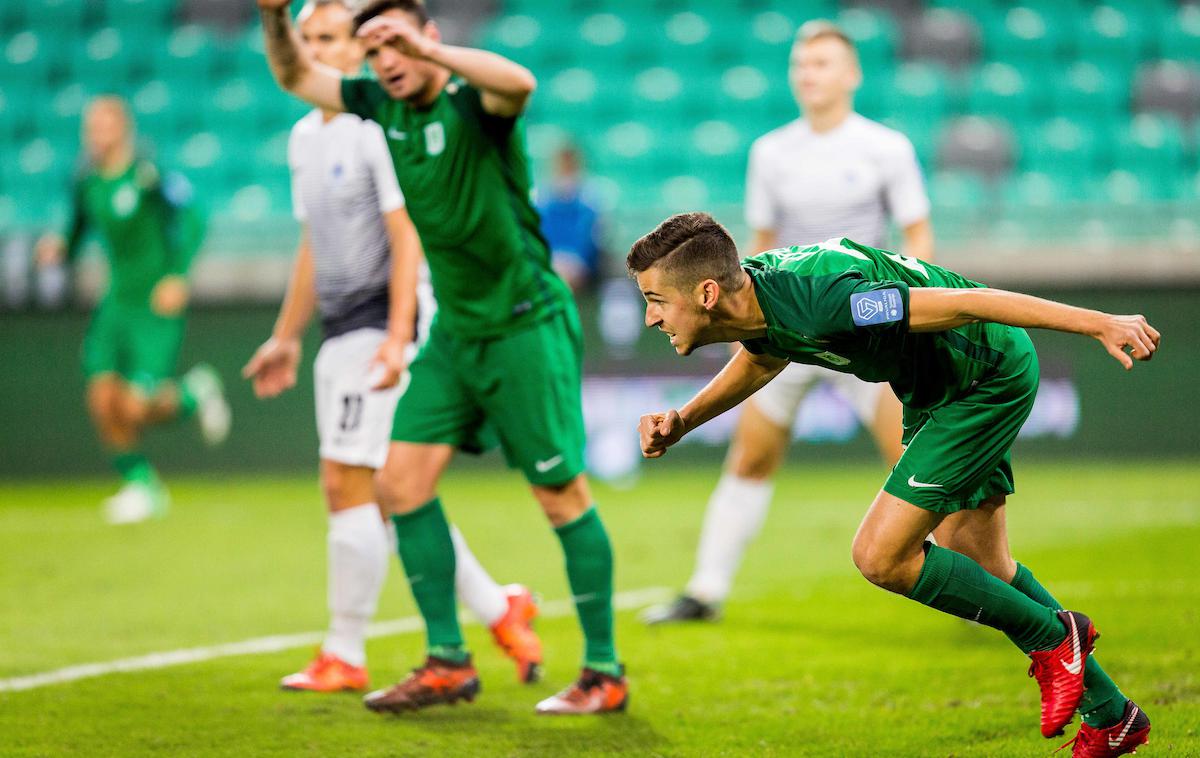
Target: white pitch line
(279, 642)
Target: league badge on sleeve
(877, 307)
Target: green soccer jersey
(465, 177)
(844, 306)
(146, 224)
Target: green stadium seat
(1179, 37)
(529, 39)
(912, 86)
(659, 93)
(106, 61)
(142, 15)
(767, 41)
(1061, 145)
(1089, 88)
(1064, 17)
(957, 190)
(1023, 37)
(31, 56)
(1128, 187)
(189, 51)
(875, 34)
(1151, 14)
(1150, 144)
(1112, 34)
(799, 11)
(1041, 189)
(62, 17)
(743, 91)
(999, 89)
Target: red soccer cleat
(515, 636)
(326, 673)
(1059, 672)
(593, 692)
(1123, 737)
(436, 682)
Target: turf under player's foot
(1059, 671)
(212, 410)
(1123, 737)
(515, 636)
(326, 673)
(137, 501)
(593, 692)
(436, 682)
(682, 608)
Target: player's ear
(710, 291)
(432, 31)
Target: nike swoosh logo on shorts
(912, 482)
(1077, 663)
(544, 466)
(1124, 732)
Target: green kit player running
(959, 359)
(150, 233)
(504, 351)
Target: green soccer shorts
(957, 456)
(135, 343)
(521, 390)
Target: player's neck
(116, 161)
(828, 119)
(738, 316)
(327, 116)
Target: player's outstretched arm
(272, 368)
(935, 309)
(291, 65)
(505, 86)
(743, 375)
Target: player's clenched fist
(659, 431)
(1119, 332)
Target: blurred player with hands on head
(831, 172)
(359, 262)
(150, 232)
(503, 357)
(958, 357)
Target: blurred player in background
(958, 355)
(150, 232)
(358, 263)
(570, 222)
(504, 353)
(830, 173)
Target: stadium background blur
(1058, 139)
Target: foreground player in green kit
(150, 233)
(503, 356)
(959, 359)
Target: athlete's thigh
(100, 352)
(982, 535)
(354, 421)
(888, 543)
(152, 345)
(780, 399)
(529, 384)
(862, 397)
(409, 477)
(437, 407)
(758, 445)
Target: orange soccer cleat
(593, 692)
(327, 673)
(437, 681)
(515, 636)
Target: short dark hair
(819, 28)
(691, 247)
(374, 8)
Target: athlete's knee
(403, 485)
(134, 408)
(883, 568)
(346, 486)
(757, 456)
(564, 503)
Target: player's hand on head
(170, 296)
(1133, 332)
(388, 364)
(273, 5)
(49, 251)
(385, 30)
(658, 431)
(272, 368)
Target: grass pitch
(810, 659)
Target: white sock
(474, 585)
(736, 512)
(358, 563)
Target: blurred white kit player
(359, 254)
(831, 173)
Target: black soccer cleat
(682, 608)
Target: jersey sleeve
(907, 200)
(469, 101)
(77, 223)
(185, 222)
(375, 150)
(362, 96)
(843, 305)
(761, 212)
(299, 212)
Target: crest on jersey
(125, 200)
(435, 138)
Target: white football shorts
(780, 399)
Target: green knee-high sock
(955, 584)
(590, 572)
(427, 554)
(188, 402)
(1103, 704)
(133, 466)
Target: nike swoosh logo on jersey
(1077, 663)
(396, 134)
(912, 482)
(544, 466)
(1124, 732)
